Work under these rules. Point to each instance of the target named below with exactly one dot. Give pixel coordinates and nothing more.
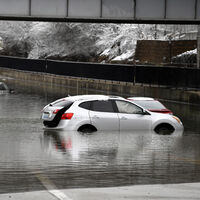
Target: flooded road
(32, 157)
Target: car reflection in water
(105, 159)
(103, 146)
(76, 144)
(59, 143)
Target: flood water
(29, 154)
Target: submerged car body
(151, 104)
(100, 112)
(4, 88)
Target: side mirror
(144, 112)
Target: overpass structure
(102, 11)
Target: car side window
(85, 105)
(102, 106)
(129, 108)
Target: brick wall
(161, 52)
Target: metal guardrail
(124, 73)
(151, 75)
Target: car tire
(164, 129)
(87, 129)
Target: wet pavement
(31, 157)
(189, 191)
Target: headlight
(177, 119)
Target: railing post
(67, 8)
(198, 47)
(30, 7)
(101, 9)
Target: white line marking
(60, 195)
(51, 188)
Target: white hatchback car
(87, 113)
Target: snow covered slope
(76, 41)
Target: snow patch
(194, 51)
(125, 56)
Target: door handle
(123, 118)
(96, 117)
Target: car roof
(141, 98)
(90, 97)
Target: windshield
(150, 105)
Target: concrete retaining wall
(70, 85)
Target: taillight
(56, 111)
(67, 115)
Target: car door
(132, 117)
(103, 116)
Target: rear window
(150, 104)
(62, 103)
